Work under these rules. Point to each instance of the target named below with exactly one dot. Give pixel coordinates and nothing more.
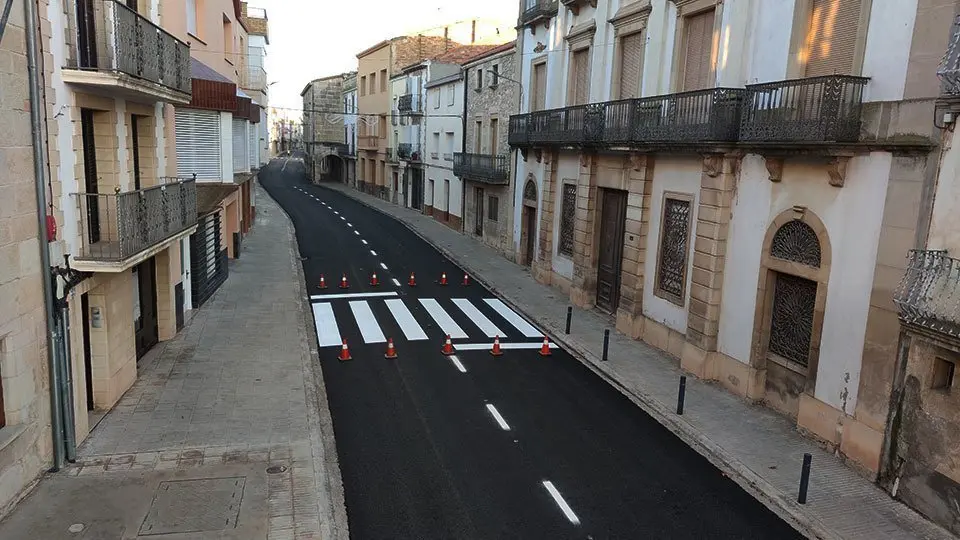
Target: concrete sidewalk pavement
(226, 432)
(759, 449)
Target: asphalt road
(476, 446)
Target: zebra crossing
(377, 315)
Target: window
(373, 83)
(698, 55)
(797, 242)
(671, 277)
(227, 38)
(363, 85)
(539, 87)
(495, 75)
(943, 371)
(383, 126)
(436, 141)
(478, 138)
(829, 46)
(192, 17)
(436, 99)
(568, 216)
(580, 77)
(631, 65)
(451, 95)
(794, 297)
(3, 415)
(479, 79)
(383, 80)
(449, 145)
(493, 208)
(494, 135)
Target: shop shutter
(832, 37)
(240, 161)
(198, 143)
(698, 51)
(631, 62)
(581, 76)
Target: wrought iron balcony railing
(701, 115)
(817, 109)
(117, 226)
(368, 142)
(949, 70)
(391, 155)
(486, 168)
(409, 152)
(537, 10)
(112, 37)
(929, 293)
(409, 104)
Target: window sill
(664, 295)
(196, 37)
(9, 434)
(787, 364)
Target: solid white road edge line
(456, 362)
(564, 507)
(487, 346)
(321, 297)
(496, 416)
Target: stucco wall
(945, 222)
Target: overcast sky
(317, 38)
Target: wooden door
(612, 223)
(145, 314)
(530, 217)
(478, 211)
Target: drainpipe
(69, 420)
(39, 166)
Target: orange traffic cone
(496, 347)
(323, 283)
(343, 282)
(412, 282)
(443, 278)
(373, 280)
(391, 352)
(466, 280)
(345, 352)
(447, 347)
(545, 348)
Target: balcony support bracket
(775, 168)
(538, 153)
(837, 169)
(712, 164)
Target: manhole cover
(190, 506)
(276, 469)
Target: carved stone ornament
(584, 160)
(837, 169)
(712, 165)
(638, 161)
(574, 5)
(540, 47)
(538, 153)
(775, 168)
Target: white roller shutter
(198, 143)
(240, 151)
(252, 131)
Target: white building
(752, 199)
(444, 131)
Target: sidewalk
(187, 449)
(759, 449)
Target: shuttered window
(540, 86)
(581, 76)
(698, 51)
(240, 145)
(252, 157)
(631, 64)
(198, 143)
(831, 37)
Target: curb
(746, 478)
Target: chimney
(473, 31)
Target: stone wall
(498, 102)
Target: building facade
(492, 96)
(350, 128)
(255, 83)
(444, 136)
(324, 128)
(729, 181)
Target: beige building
(324, 135)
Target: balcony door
(87, 33)
(135, 140)
(91, 186)
(478, 211)
(145, 306)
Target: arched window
(796, 241)
(530, 191)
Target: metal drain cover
(190, 506)
(276, 469)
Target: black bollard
(804, 479)
(569, 316)
(606, 343)
(680, 396)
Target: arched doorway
(332, 169)
(528, 222)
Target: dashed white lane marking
(328, 334)
(356, 232)
(505, 346)
(446, 323)
(342, 218)
(517, 321)
(564, 507)
(496, 416)
(374, 253)
(456, 362)
(478, 318)
(349, 224)
(337, 213)
(369, 328)
(395, 282)
(383, 266)
(362, 240)
(411, 329)
(352, 295)
(284, 166)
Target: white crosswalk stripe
(478, 318)
(369, 328)
(517, 321)
(405, 320)
(328, 334)
(446, 323)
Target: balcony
(410, 152)
(255, 79)
(949, 70)
(122, 51)
(485, 168)
(347, 151)
(391, 155)
(368, 142)
(689, 117)
(120, 230)
(813, 110)
(929, 293)
(536, 11)
(410, 104)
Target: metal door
(612, 222)
(145, 317)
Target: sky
(317, 38)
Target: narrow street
(472, 445)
